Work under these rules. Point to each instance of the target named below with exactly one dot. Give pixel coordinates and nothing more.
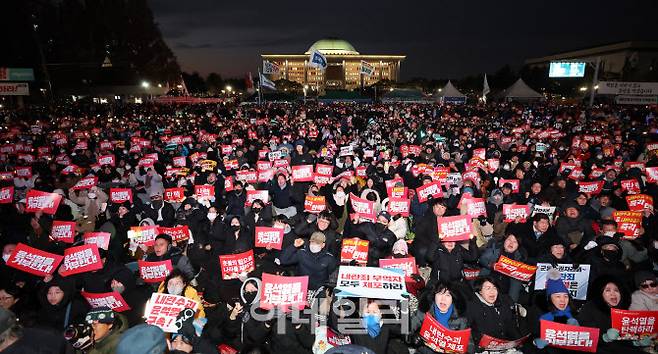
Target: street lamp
(305, 88)
(145, 84)
(583, 89)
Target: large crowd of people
(550, 184)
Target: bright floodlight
(229, 88)
(145, 84)
(583, 88)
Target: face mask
(371, 323)
(157, 204)
(174, 290)
(399, 255)
(256, 210)
(609, 233)
(212, 216)
(612, 255)
(235, 227)
(119, 288)
(5, 257)
(315, 248)
(249, 297)
(91, 195)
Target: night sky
(442, 39)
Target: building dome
(333, 46)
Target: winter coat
(641, 301)
(498, 320)
(178, 260)
(380, 237)
(72, 308)
(318, 266)
(108, 344)
(448, 266)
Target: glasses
(652, 284)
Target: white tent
(520, 90)
(449, 93)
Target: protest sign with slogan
(143, 235)
(283, 292)
(154, 272)
(113, 300)
(24, 172)
(548, 210)
(324, 170)
(363, 207)
(590, 187)
(162, 310)
(42, 201)
(234, 264)
(638, 202)
(314, 204)
(628, 223)
(634, 324)
(177, 233)
(63, 231)
(100, 239)
(175, 195)
(500, 345)
(575, 279)
(248, 176)
(302, 173)
(81, 259)
(400, 206)
(269, 237)
(652, 174)
(513, 211)
(515, 269)
(408, 265)
(441, 339)
(432, 189)
(559, 335)
(252, 195)
(86, 183)
(454, 228)
(6, 195)
(106, 160)
(204, 191)
(632, 186)
(33, 260)
(121, 195)
(354, 249)
(475, 207)
(370, 282)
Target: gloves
(644, 342)
(590, 245)
(521, 310)
(572, 321)
(611, 335)
(540, 343)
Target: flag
(317, 60)
(367, 69)
(249, 83)
(485, 89)
(270, 68)
(265, 82)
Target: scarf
(550, 316)
(443, 318)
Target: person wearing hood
(90, 202)
(444, 304)
(282, 198)
(107, 328)
(604, 294)
(375, 333)
(312, 259)
(300, 155)
(495, 217)
(426, 228)
(645, 298)
(236, 199)
(60, 305)
(556, 252)
(98, 281)
(161, 212)
(176, 283)
(380, 237)
(325, 223)
(605, 258)
(163, 249)
(75, 209)
(555, 305)
(449, 258)
(573, 228)
(259, 215)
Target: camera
(81, 335)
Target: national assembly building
(343, 66)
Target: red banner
(354, 249)
(408, 265)
(632, 186)
(514, 211)
(400, 206)
(175, 195)
(584, 339)
(471, 273)
(432, 189)
(24, 172)
(314, 205)
(34, 261)
(248, 176)
(63, 231)
(514, 269)
(86, 183)
(179, 161)
(322, 180)
(325, 170)
(177, 233)
(269, 236)
(100, 239)
(638, 202)
(113, 300)
(252, 195)
(154, 272)
(81, 259)
(362, 206)
(42, 201)
(500, 345)
(634, 324)
(475, 207)
(143, 235)
(454, 228)
(628, 223)
(121, 195)
(652, 174)
(302, 173)
(7, 195)
(234, 264)
(397, 192)
(441, 339)
(204, 191)
(283, 292)
(590, 187)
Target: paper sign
(370, 282)
(283, 292)
(400, 206)
(154, 272)
(63, 231)
(234, 264)
(576, 280)
(302, 173)
(81, 259)
(441, 339)
(143, 235)
(86, 183)
(269, 236)
(475, 207)
(408, 265)
(513, 211)
(34, 261)
(354, 249)
(638, 202)
(500, 345)
(121, 195)
(42, 201)
(570, 337)
(204, 192)
(628, 223)
(106, 160)
(163, 309)
(100, 239)
(593, 188)
(175, 195)
(252, 195)
(454, 228)
(314, 205)
(7, 195)
(549, 211)
(362, 206)
(432, 189)
(632, 186)
(516, 184)
(634, 324)
(177, 233)
(325, 170)
(113, 300)
(514, 269)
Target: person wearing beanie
(558, 306)
(142, 339)
(645, 298)
(107, 328)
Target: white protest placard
(371, 282)
(576, 280)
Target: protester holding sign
(380, 238)
(164, 250)
(449, 259)
(178, 284)
(511, 248)
(311, 259)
